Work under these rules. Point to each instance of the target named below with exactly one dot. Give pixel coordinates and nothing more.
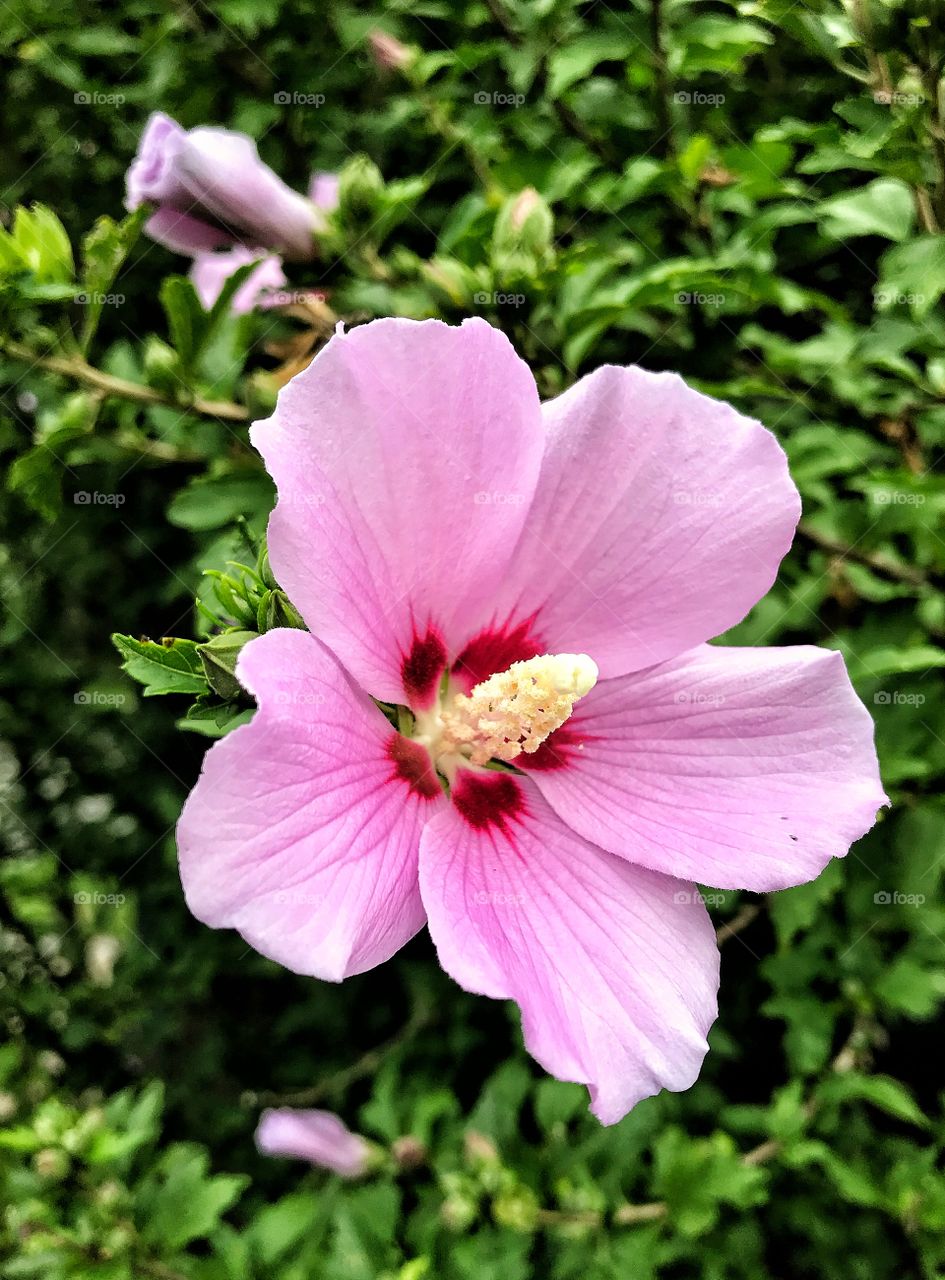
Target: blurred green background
(750, 193)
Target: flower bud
(101, 952)
(320, 1137)
(408, 1152)
(360, 188)
(517, 1209)
(211, 190)
(219, 657)
(388, 52)
(525, 222)
(51, 1163)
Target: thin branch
(664, 112)
(78, 370)
(875, 560)
(366, 1065)
(750, 911)
(630, 1214)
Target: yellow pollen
(516, 710)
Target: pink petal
(152, 177)
(320, 1137)
(182, 233)
(742, 768)
(615, 968)
(405, 456)
(660, 518)
(323, 190)
(303, 829)
(210, 272)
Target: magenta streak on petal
(495, 649)
(556, 752)
(489, 800)
(422, 668)
(412, 764)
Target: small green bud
(459, 1212)
(162, 366)
(276, 610)
(408, 1152)
(517, 1209)
(261, 390)
(51, 1163)
(452, 281)
(524, 225)
(219, 661)
(360, 189)
(480, 1150)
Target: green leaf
(793, 910)
(181, 1201)
(104, 250)
(43, 244)
(696, 1176)
(173, 666)
(913, 275)
(212, 718)
(186, 319)
(37, 477)
(211, 504)
(282, 1226)
(882, 208)
(881, 1091)
(575, 59)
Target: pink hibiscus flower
(535, 584)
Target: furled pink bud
(211, 189)
(320, 1137)
(388, 52)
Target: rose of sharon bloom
(538, 583)
(212, 190)
(318, 1136)
(210, 272)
